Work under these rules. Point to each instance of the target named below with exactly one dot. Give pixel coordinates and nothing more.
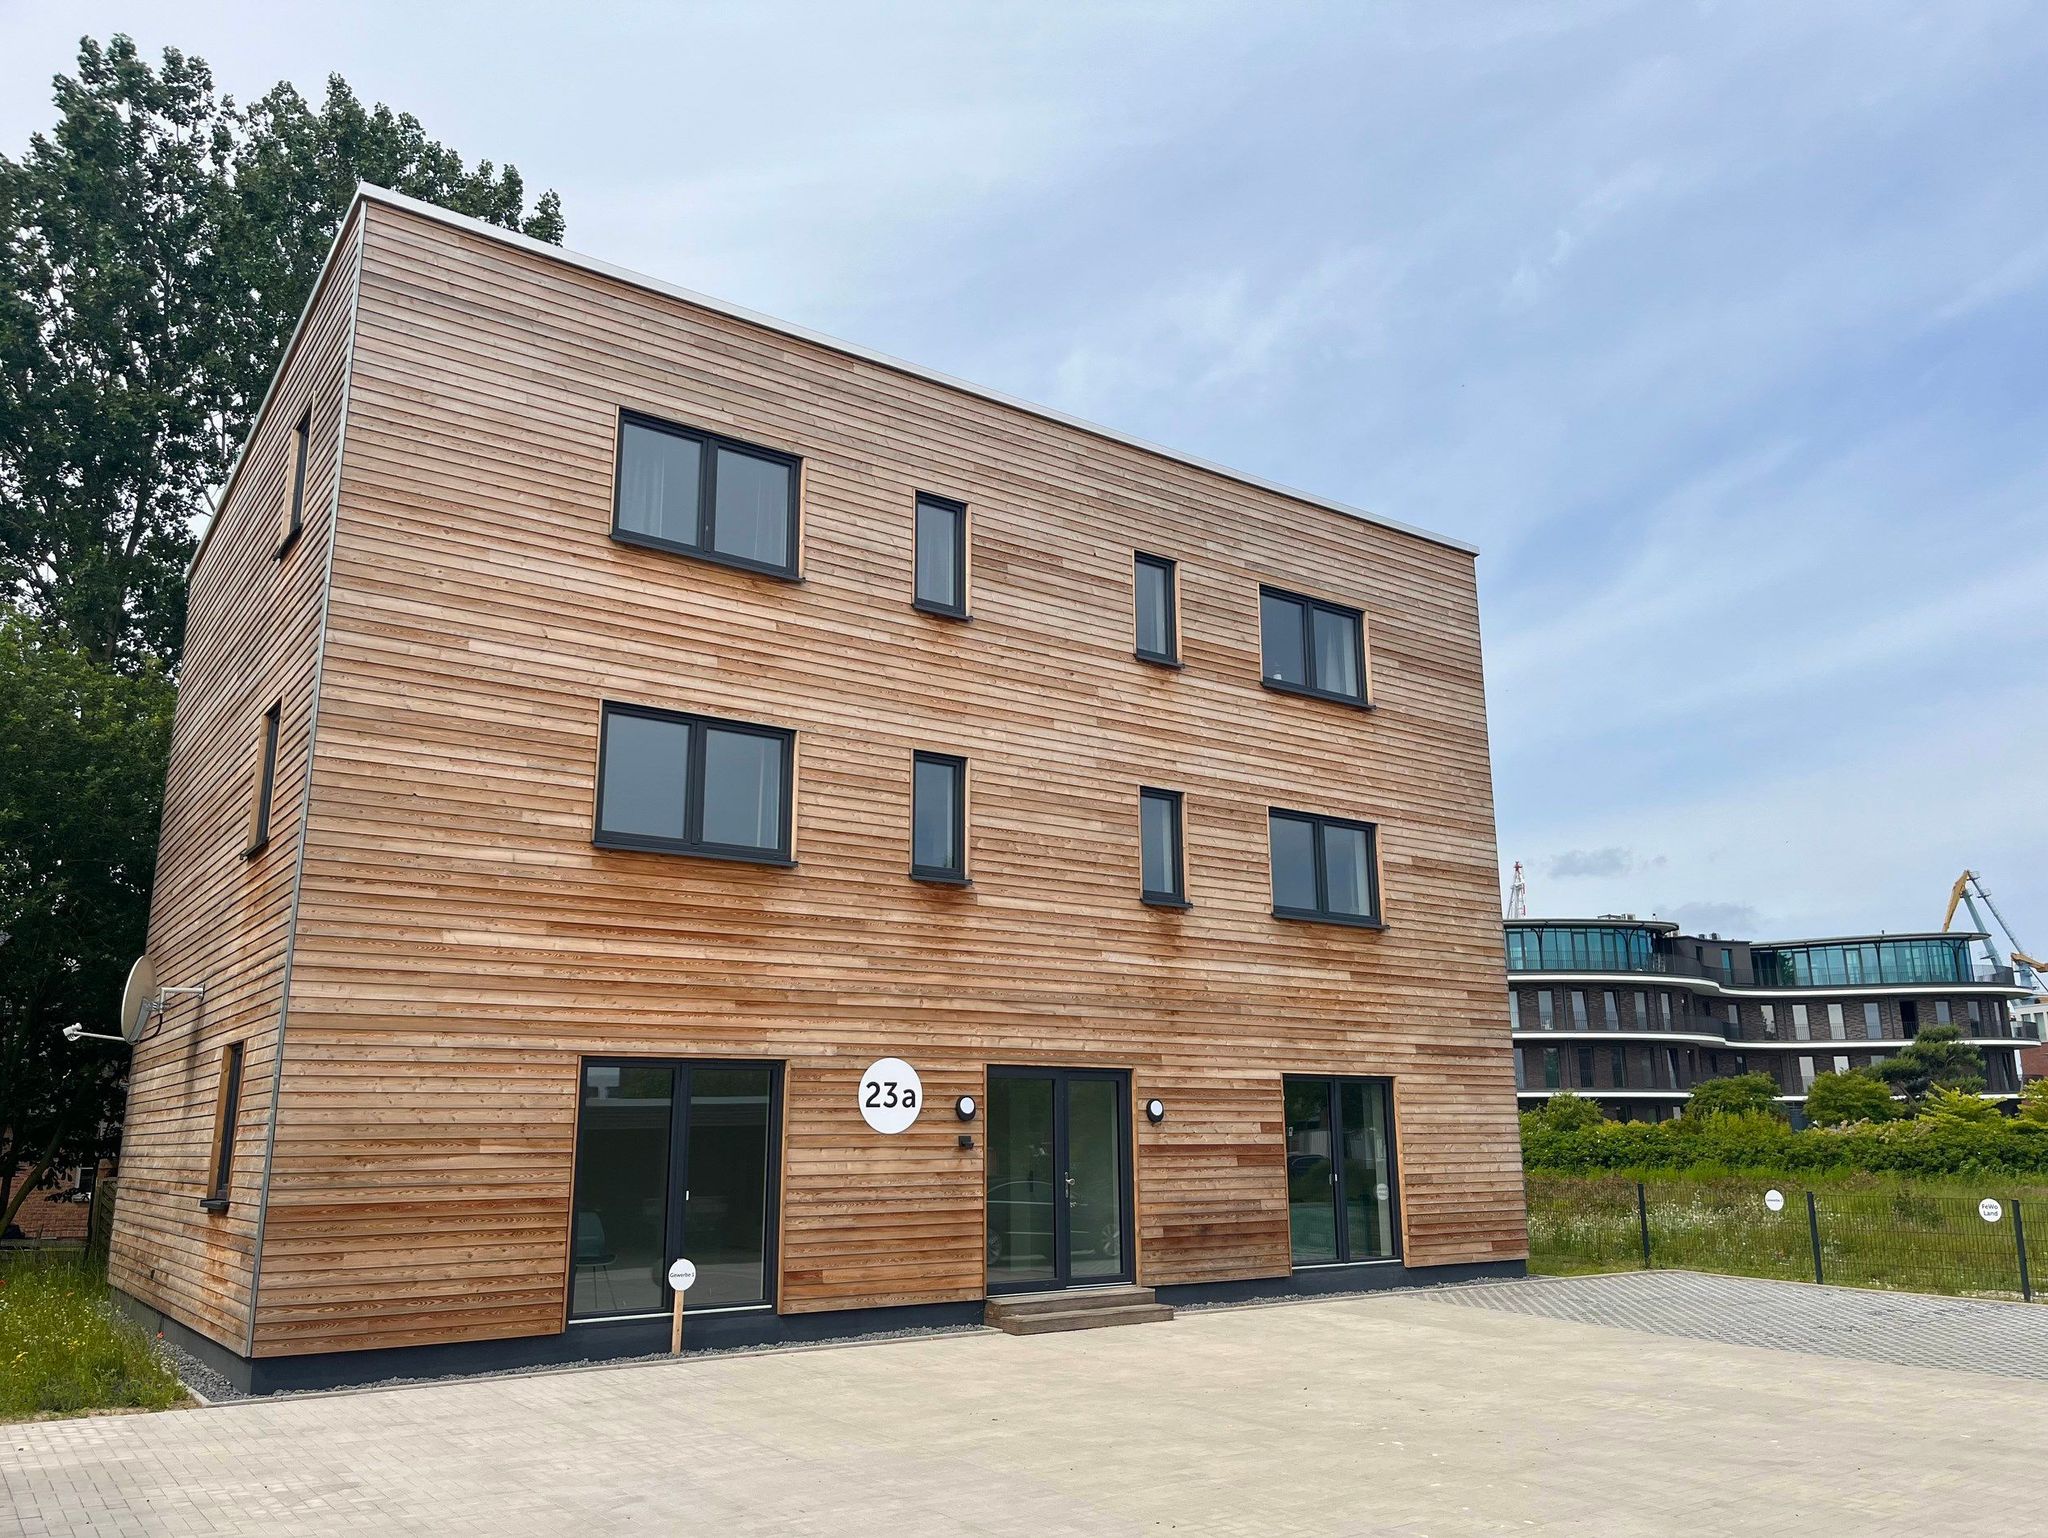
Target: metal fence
(1966, 1245)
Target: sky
(1721, 329)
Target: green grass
(1910, 1234)
(63, 1350)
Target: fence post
(2019, 1239)
(1643, 1222)
(1813, 1232)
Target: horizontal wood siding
(219, 916)
(462, 944)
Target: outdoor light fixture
(1155, 1111)
(964, 1108)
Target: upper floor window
(227, 1103)
(940, 577)
(687, 784)
(295, 503)
(266, 777)
(1162, 880)
(1312, 647)
(1324, 868)
(703, 495)
(938, 817)
(1158, 623)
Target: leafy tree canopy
(1942, 1104)
(1938, 1056)
(1835, 1099)
(2034, 1101)
(1567, 1113)
(1739, 1092)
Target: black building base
(615, 1339)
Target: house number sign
(890, 1095)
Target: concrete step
(1084, 1319)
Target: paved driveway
(1391, 1414)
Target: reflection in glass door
(673, 1159)
(1340, 1170)
(1059, 1177)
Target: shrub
(1834, 1099)
(1937, 1056)
(2034, 1100)
(1740, 1092)
(1955, 1105)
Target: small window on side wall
(1162, 880)
(295, 502)
(266, 777)
(938, 818)
(702, 495)
(940, 578)
(682, 784)
(1155, 601)
(1324, 868)
(1312, 647)
(227, 1105)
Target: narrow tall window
(938, 817)
(1550, 1068)
(1642, 1000)
(1620, 1068)
(1837, 1025)
(682, 784)
(941, 557)
(1802, 1027)
(702, 495)
(1312, 647)
(1612, 1014)
(1873, 1022)
(1546, 1018)
(1158, 624)
(1514, 1009)
(225, 1109)
(1324, 868)
(1162, 878)
(1578, 1009)
(266, 778)
(295, 504)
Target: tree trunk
(33, 1178)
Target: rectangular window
(1342, 1204)
(1514, 1009)
(1610, 1009)
(266, 777)
(1324, 868)
(1620, 1068)
(1976, 1014)
(1838, 1029)
(1802, 1028)
(295, 500)
(1162, 881)
(1909, 1018)
(1941, 1012)
(1664, 1009)
(1578, 1009)
(1672, 1078)
(1157, 619)
(1551, 1070)
(1312, 647)
(225, 1111)
(1873, 1022)
(1642, 1010)
(1770, 1019)
(702, 495)
(683, 784)
(1585, 1068)
(1545, 1009)
(1806, 1074)
(938, 817)
(1841, 1063)
(940, 561)
(674, 1159)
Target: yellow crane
(2028, 971)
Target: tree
(1942, 1104)
(1938, 1056)
(155, 251)
(80, 789)
(2034, 1100)
(1741, 1092)
(1834, 1099)
(1570, 1113)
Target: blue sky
(1721, 328)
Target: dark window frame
(1170, 658)
(1322, 912)
(220, 1175)
(676, 1213)
(295, 504)
(1333, 1084)
(1177, 895)
(266, 778)
(693, 843)
(1309, 608)
(709, 444)
(962, 527)
(940, 875)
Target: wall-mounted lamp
(1155, 1111)
(964, 1108)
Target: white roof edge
(373, 194)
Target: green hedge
(1760, 1141)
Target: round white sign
(682, 1276)
(1989, 1210)
(891, 1095)
(1774, 1199)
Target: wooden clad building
(613, 723)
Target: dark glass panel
(1347, 870)
(742, 789)
(938, 560)
(1020, 1180)
(1311, 1176)
(1160, 845)
(646, 776)
(1294, 863)
(659, 478)
(1155, 608)
(725, 1221)
(1095, 1190)
(935, 817)
(752, 498)
(1336, 659)
(1368, 1178)
(622, 1158)
(1281, 642)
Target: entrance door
(1059, 1178)
(1340, 1171)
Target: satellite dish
(138, 999)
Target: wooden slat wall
(217, 917)
(461, 942)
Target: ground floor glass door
(673, 1159)
(1059, 1178)
(1340, 1171)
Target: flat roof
(1609, 921)
(1903, 934)
(369, 193)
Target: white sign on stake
(682, 1276)
(1774, 1199)
(1989, 1210)
(891, 1094)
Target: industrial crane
(2028, 971)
